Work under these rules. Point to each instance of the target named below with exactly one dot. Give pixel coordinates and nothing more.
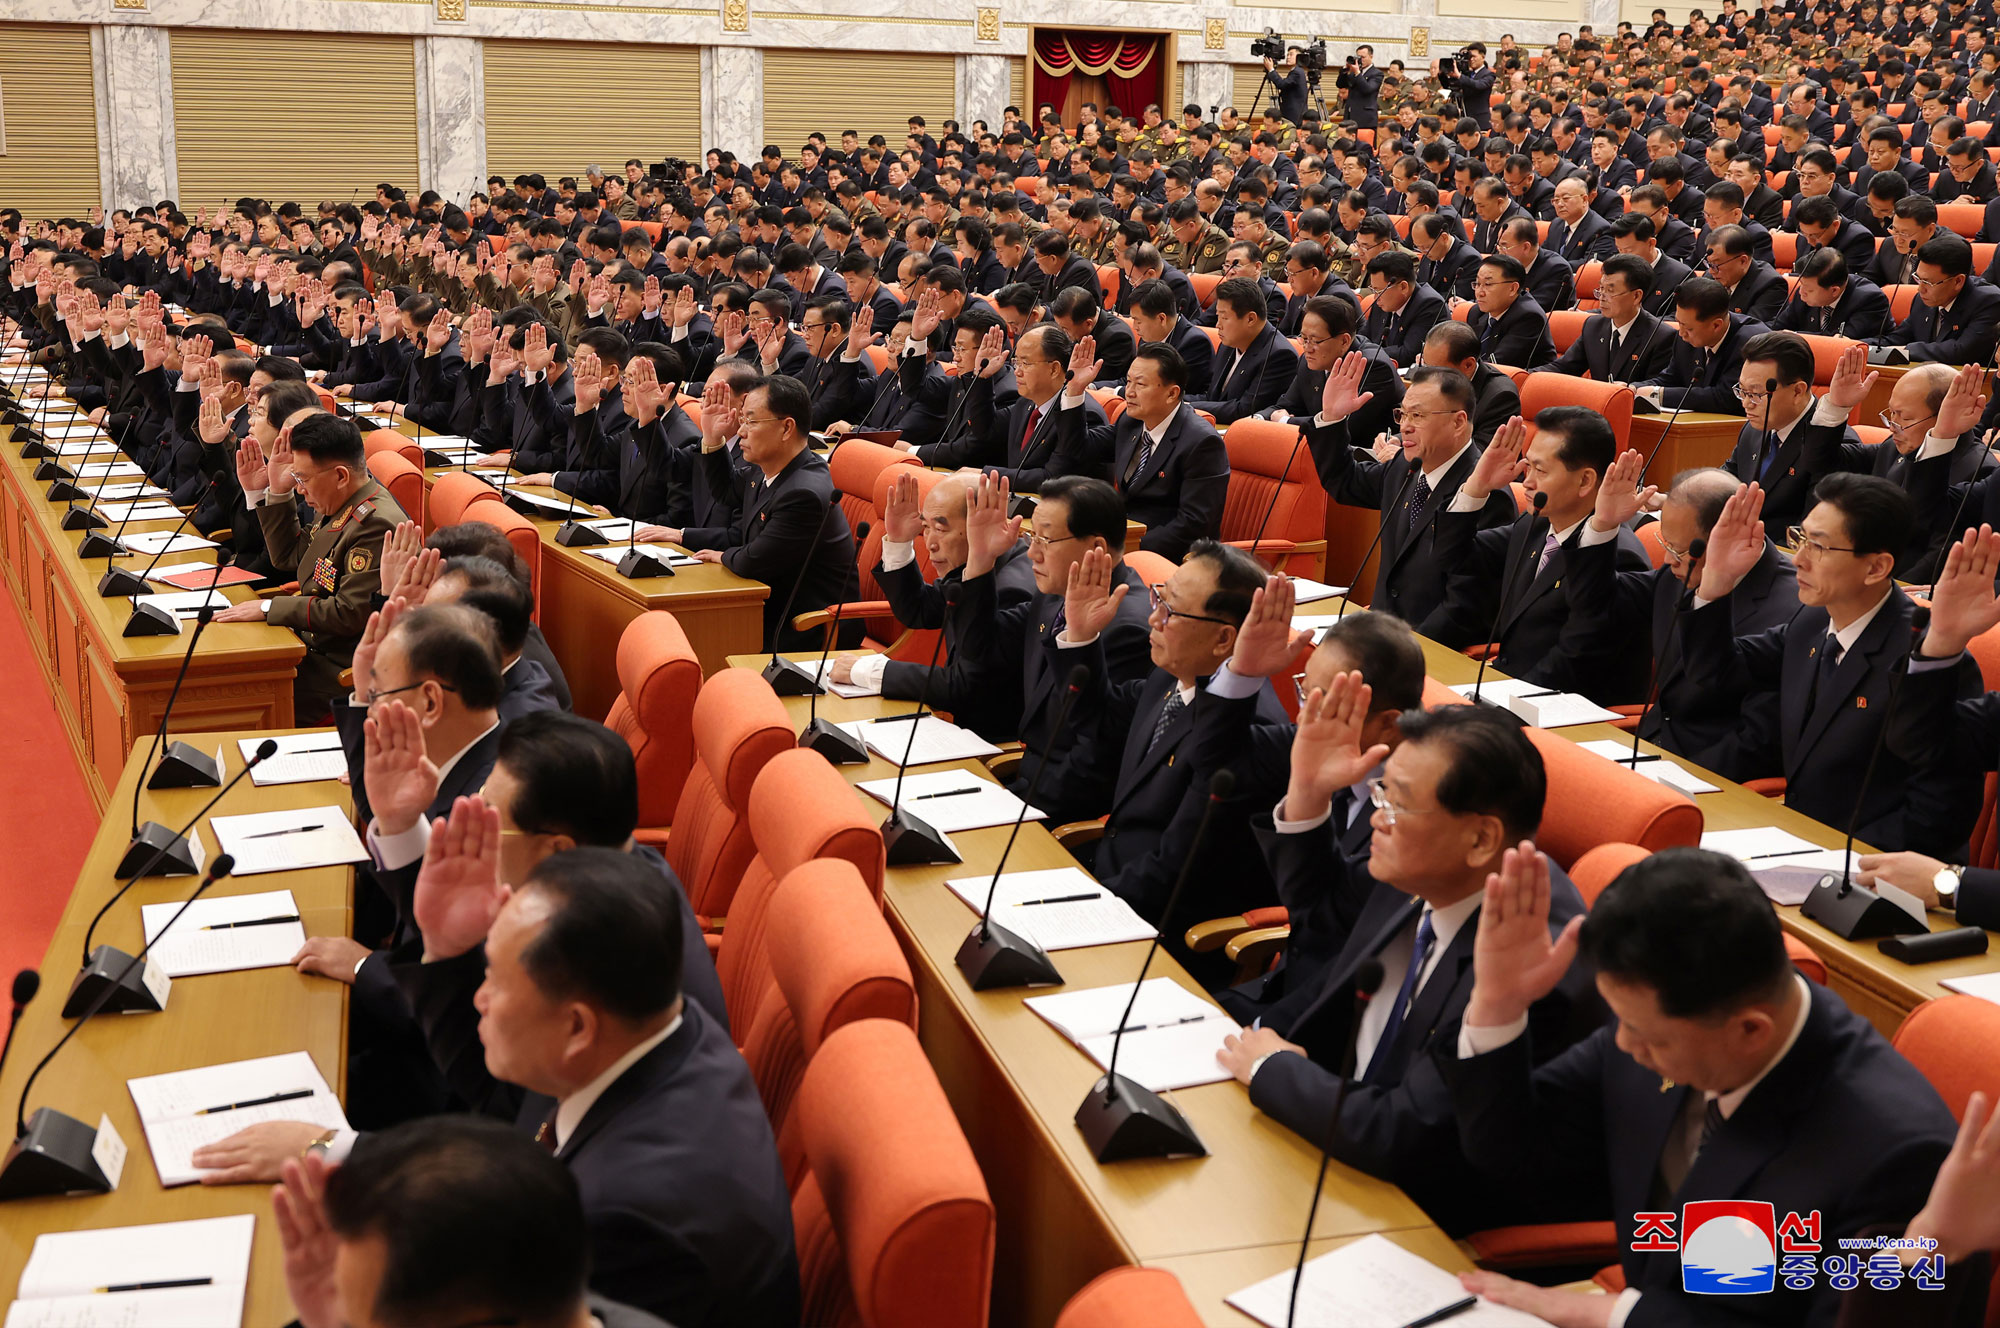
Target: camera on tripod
(1312, 58)
(1458, 62)
(1270, 46)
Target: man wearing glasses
(1255, 365)
(1445, 262)
(1814, 692)
(1405, 309)
(1956, 316)
(1512, 328)
(1756, 290)
(1787, 435)
(1621, 343)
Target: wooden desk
(1882, 989)
(208, 1020)
(1015, 1084)
(1694, 440)
(585, 605)
(109, 689)
(1209, 1279)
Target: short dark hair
(788, 399)
(1788, 353)
(1950, 254)
(1825, 266)
(1385, 650)
(1452, 385)
(1494, 770)
(472, 1216)
(1694, 927)
(458, 646)
(478, 539)
(1638, 273)
(331, 440)
(1172, 368)
(1094, 507)
(1587, 439)
(614, 938)
(1878, 514)
(1238, 578)
(494, 590)
(1243, 298)
(573, 777)
(1705, 297)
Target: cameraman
(1291, 91)
(1472, 81)
(1361, 81)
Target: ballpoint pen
(1168, 1023)
(250, 922)
(158, 1286)
(947, 793)
(290, 830)
(1457, 1307)
(1057, 899)
(293, 1096)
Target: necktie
(1549, 547)
(1028, 432)
(1420, 496)
(1829, 660)
(1140, 462)
(1168, 712)
(1419, 952)
(545, 1133)
(1684, 1145)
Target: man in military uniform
(1271, 247)
(1194, 244)
(338, 563)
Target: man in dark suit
(1462, 788)
(1080, 316)
(1787, 432)
(1522, 566)
(1016, 647)
(1061, 268)
(1756, 290)
(1018, 438)
(1405, 309)
(1956, 316)
(1492, 208)
(1167, 462)
(1830, 668)
(425, 1221)
(1445, 262)
(1578, 235)
(1740, 1079)
(785, 526)
(1914, 226)
(1360, 82)
(1512, 328)
(992, 710)
(1410, 490)
(1495, 399)
(1821, 226)
(1255, 365)
(1157, 316)
(1641, 606)
(1832, 302)
(1621, 343)
(1139, 742)
(1708, 355)
(1551, 284)
(1634, 234)
(650, 1107)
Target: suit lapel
(1041, 678)
(1404, 915)
(1142, 755)
(1832, 698)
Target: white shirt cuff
(1064, 642)
(868, 671)
(1465, 502)
(1285, 827)
(82, 337)
(1258, 1064)
(255, 497)
(530, 379)
(1473, 1041)
(187, 384)
(118, 342)
(393, 852)
(1592, 536)
(1826, 414)
(845, 358)
(341, 1145)
(277, 300)
(897, 553)
(1919, 664)
(1229, 685)
(1622, 1310)
(680, 334)
(1935, 446)
(913, 347)
(1071, 400)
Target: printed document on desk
(952, 800)
(1171, 1038)
(61, 1287)
(292, 840)
(301, 758)
(1371, 1283)
(820, 668)
(936, 740)
(1659, 769)
(190, 1109)
(199, 943)
(1058, 908)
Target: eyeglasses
(1492, 285)
(1160, 605)
(1928, 284)
(368, 701)
(1746, 397)
(744, 421)
(1798, 542)
(1043, 542)
(1378, 797)
(1409, 417)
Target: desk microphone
(57, 1154)
(120, 581)
(991, 955)
(1682, 598)
(1367, 981)
(787, 678)
(1120, 1118)
(965, 397)
(824, 736)
(1764, 449)
(1277, 490)
(105, 965)
(1512, 569)
(26, 983)
(906, 840)
(1402, 490)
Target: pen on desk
(158, 1286)
(1788, 853)
(1457, 1307)
(292, 1096)
(1635, 760)
(1056, 899)
(290, 830)
(897, 719)
(300, 751)
(1169, 1023)
(250, 922)
(946, 793)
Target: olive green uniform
(338, 564)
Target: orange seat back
(1964, 219)
(388, 440)
(1152, 568)
(1565, 326)
(1826, 355)
(917, 647)
(1655, 545)
(1902, 298)
(453, 493)
(659, 677)
(1131, 1298)
(739, 725)
(404, 481)
(1611, 400)
(1593, 801)
(1271, 475)
(854, 467)
(1108, 277)
(1600, 867)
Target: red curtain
(1130, 66)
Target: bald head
(1703, 492)
(944, 522)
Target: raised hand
(438, 334)
(536, 353)
(902, 519)
(459, 891)
(506, 360)
(651, 296)
(579, 273)
(399, 550)
(1736, 543)
(735, 331)
(1084, 366)
(1963, 604)
(991, 357)
(685, 308)
(251, 471)
(194, 357)
(718, 415)
(989, 531)
(1267, 645)
(861, 332)
(1342, 395)
(1852, 379)
(311, 1248)
(478, 337)
(1090, 601)
(1963, 405)
(1515, 962)
(928, 314)
(586, 373)
(1961, 1215)
(214, 429)
(363, 666)
(599, 297)
(1326, 751)
(117, 318)
(642, 384)
(1619, 497)
(282, 479)
(399, 774)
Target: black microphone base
(151, 620)
(992, 957)
(120, 582)
(836, 744)
(908, 842)
(95, 545)
(67, 491)
(52, 469)
(153, 837)
(35, 449)
(82, 518)
(1021, 505)
(53, 1157)
(183, 766)
(637, 565)
(112, 971)
(1856, 913)
(573, 536)
(790, 679)
(1135, 1122)
(522, 506)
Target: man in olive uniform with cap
(339, 562)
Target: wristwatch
(1946, 885)
(319, 1145)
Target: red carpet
(46, 817)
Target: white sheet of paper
(820, 668)
(66, 1267)
(1094, 1011)
(84, 447)
(942, 800)
(1176, 1056)
(99, 469)
(301, 758)
(1986, 986)
(1101, 918)
(614, 553)
(936, 740)
(250, 839)
(1764, 843)
(128, 491)
(165, 541)
(1496, 690)
(139, 511)
(1659, 769)
(1558, 710)
(559, 506)
(184, 603)
(187, 950)
(1371, 1283)
(1307, 591)
(171, 1106)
